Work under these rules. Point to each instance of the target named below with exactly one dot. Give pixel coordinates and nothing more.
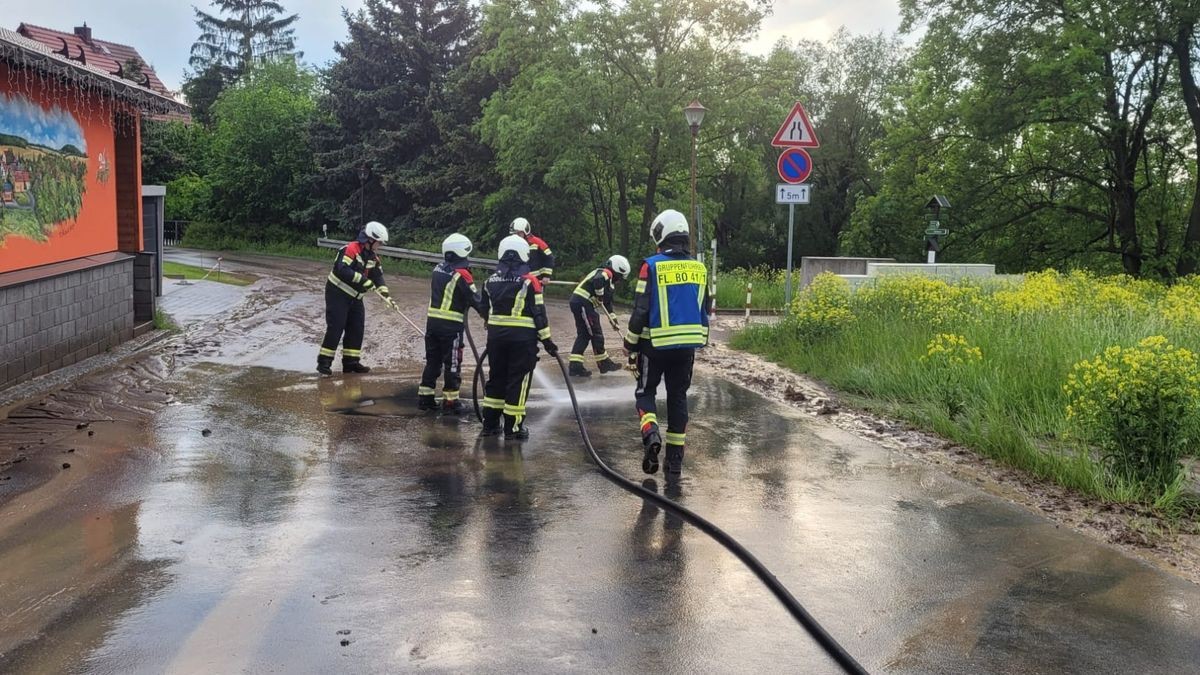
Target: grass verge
(179, 270)
(1001, 390)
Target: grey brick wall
(53, 322)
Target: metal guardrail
(423, 256)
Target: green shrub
(822, 308)
(1138, 406)
(188, 198)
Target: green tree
(1185, 44)
(379, 109)
(1047, 125)
(172, 149)
(594, 116)
(261, 159)
(239, 35)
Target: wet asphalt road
(321, 511)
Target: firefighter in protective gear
(668, 324)
(356, 271)
(516, 321)
(541, 259)
(452, 293)
(595, 291)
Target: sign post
(790, 195)
(933, 243)
(794, 166)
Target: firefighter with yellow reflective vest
(541, 258)
(356, 271)
(668, 324)
(516, 321)
(593, 292)
(452, 293)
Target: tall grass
(768, 290)
(1014, 404)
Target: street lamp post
(363, 172)
(694, 113)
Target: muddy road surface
(226, 510)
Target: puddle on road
(319, 505)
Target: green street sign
(937, 231)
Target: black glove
(631, 350)
(551, 348)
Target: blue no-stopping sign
(795, 166)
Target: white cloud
(820, 19)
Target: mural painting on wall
(43, 163)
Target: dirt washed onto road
(1137, 530)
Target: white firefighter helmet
(376, 230)
(667, 223)
(457, 244)
(619, 264)
(516, 244)
(520, 226)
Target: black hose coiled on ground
(823, 638)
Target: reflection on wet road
(290, 530)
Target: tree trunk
(623, 209)
(1189, 255)
(652, 172)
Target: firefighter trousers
(443, 356)
(510, 369)
(587, 329)
(344, 322)
(674, 366)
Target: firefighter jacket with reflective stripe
(541, 259)
(670, 309)
(514, 306)
(597, 286)
(356, 270)
(451, 293)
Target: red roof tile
(99, 53)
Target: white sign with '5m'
(791, 194)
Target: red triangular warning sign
(797, 131)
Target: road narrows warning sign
(797, 131)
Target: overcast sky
(163, 30)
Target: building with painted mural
(74, 268)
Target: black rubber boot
(577, 370)
(491, 422)
(674, 460)
(651, 445)
(325, 365)
(354, 367)
(426, 402)
(454, 407)
(608, 366)
(514, 431)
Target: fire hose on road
(810, 624)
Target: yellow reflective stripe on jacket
(444, 311)
(682, 340)
(347, 260)
(579, 288)
(519, 302)
(678, 330)
(344, 286)
(448, 314)
(511, 321)
(641, 287)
